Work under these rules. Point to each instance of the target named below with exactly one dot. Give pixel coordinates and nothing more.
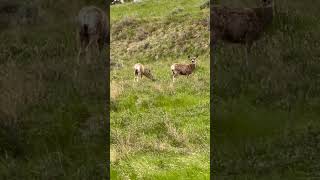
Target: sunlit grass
(160, 130)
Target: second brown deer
(240, 25)
(183, 69)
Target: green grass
(155, 9)
(267, 125)
(159, 130)
(52, 110)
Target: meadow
(267, 126)
(159, 130)
(52, 109)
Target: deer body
(92, 29)
(241, 25)
(183, 69)
(117, 2)
(140, 71)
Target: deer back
(236, 24)
(93, 18)
(184, 69)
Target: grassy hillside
(159, 130)
(267, 125)
(52, 110)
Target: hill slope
(267, 125)
(52, 109)
(159, 130)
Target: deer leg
(136, 75)
(139, 76)
(96, 40)
(83, 42)
(79, 43)
(88, 48)
(174, 77)
(89, 44)
(79, 54)
(97, 47)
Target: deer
(93, 29)
(183, 69)
(140, 70)
(241, 25)
(122, 1)
(117, 2)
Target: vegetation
(52, 110)
(159, 130)
(266, 123)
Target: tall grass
(266, 126)
(52, 110)
(159, 130)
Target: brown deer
(93, 29)
(183, 69)
(240, 25)
(140, 70)
(117, 2)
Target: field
(267, 126)
(159, 130)
(52, 110)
